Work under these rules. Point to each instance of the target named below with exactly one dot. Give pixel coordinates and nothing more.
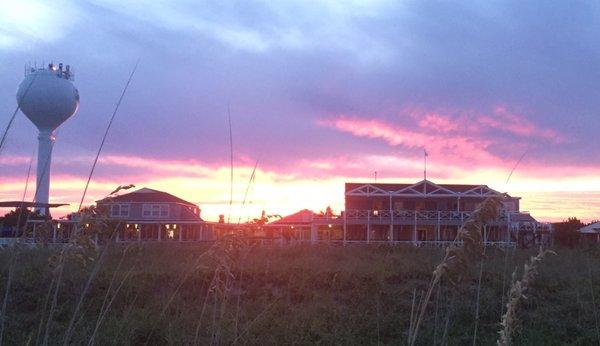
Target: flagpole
(424, 164)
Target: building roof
(522, 217)
(146, 195)
(593, 228)
(421, 188)
(303, 216)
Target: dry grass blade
(478, 298)
(58, 279)
(587, 260)
(41, 324)
(11, 271)
(467, 247)
(104, 312)
(106, 303)
(225, 252)
(510, 321)
(98, 264)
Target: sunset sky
(320, 92)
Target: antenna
(425, 154)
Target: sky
(320, 93)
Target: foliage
(328, 212)
(182, 293)
(20, 216)
(510, 321)
(459, 256)
(565, 233)
(264, 219)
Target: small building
(148, 214)
(149, 204)
(590, 233)
(296, 226)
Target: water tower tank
(48, 98)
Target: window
(155, 210)
(119, 210)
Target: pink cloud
(470, 122)
(13, 160)
(505, 120)
(438, 123)
(447, 147)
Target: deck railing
(427, 215)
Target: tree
(264, 219)
(565, 233)
(20, 216)
(328, 212)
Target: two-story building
(148, 214)
(421, 213)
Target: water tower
(48, 98)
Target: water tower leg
(45, 144)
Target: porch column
(485, 238)
(139, 233)
(200, 232)
(437, 229)
(345, 227)
(313, 233)
(159, 231)
(508, 227)
(54, 233)
(179, 231)
(415, 229)
(369, 226)
(391, 220)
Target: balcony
(409, 215)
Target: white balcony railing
(431, 215)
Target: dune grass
(186, 294)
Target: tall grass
(466, 249)
(185, 294)
(510, 321)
